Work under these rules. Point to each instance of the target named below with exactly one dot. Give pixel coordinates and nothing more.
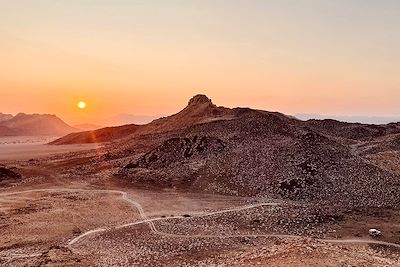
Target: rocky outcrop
(8, 175)
(177, 150)
(199, 99)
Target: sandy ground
(42, 219)
(36, 228)
(25, 148)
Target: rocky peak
(199, 99)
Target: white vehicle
(374, 232)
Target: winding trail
(150, 221)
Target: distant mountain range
(44, 124)
(87, 126)
(33, 124)
(353, 119)
(122, 119)
(4, 117)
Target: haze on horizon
(149, 57)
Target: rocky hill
(249, 152)
(264, 155)
(34, 124)
(200, 109)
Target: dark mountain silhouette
(34, 124)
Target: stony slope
(200, 109)
(263, 153)
(353, 131)
(249, 152)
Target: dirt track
(150, 221)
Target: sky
(149, 57)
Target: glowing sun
(81, 105)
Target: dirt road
(150, 221)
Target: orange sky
(149, 58)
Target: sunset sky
(149, 57)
